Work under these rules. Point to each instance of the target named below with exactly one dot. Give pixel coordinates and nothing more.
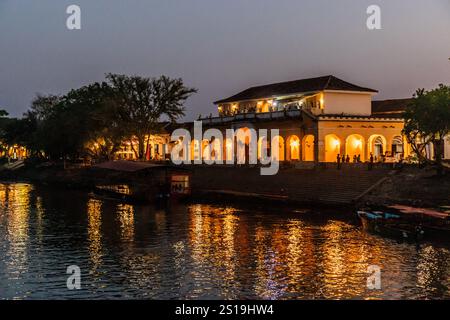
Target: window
(180, 184)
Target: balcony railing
(253, 116)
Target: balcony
(266, 116)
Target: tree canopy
(142, 102)
(427, 121)
(97, 118)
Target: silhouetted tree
(142, 102)
(427, 121)
(96, 119)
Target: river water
(200, 251)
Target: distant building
(14, 152)
(156, 146)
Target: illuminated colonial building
(14, 152)
(318, 119)
(156, 147)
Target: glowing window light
(336, 143)
(357, 143)
(294, 143)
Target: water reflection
(126, 218)
(16, 221)
(94, 212)
(212, 242)
(199, 251)
(40, 213)
(431, 271)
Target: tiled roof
(390, 107)
(295, 87)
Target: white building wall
(447, 148)
(347, 103)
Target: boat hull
(392, 227)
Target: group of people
(346, 159)
(356, 159)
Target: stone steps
(329, 185)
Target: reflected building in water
(200, 251)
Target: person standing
(371, 161)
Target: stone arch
(354, 146)
(308, 148)
(215, 139)
(246, 145)
(377, 146)
(281, 149)
(206, 149)
(332, 147)
(228, 149)
(263, 143)
(293, 148)
(397, 147)
(216, 149)
(195, 149)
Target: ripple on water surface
(199, 251)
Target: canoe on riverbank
(406, 222)
(390, 225)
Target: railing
(253, 116)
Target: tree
(105, 134)
(36, 126)
(20, 132)
(4, 122)
(43, 106)
(67, 125)
(427, 121)
(97, 118)
(142, 102)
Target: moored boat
(407, 222)
(390, 225)
(436, 224)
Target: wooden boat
(435, 223)
(419, 212)
(390, 225)
(409, 222)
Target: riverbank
(324, 185)
(412, 186)
(352, 185)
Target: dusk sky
(221, 47)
